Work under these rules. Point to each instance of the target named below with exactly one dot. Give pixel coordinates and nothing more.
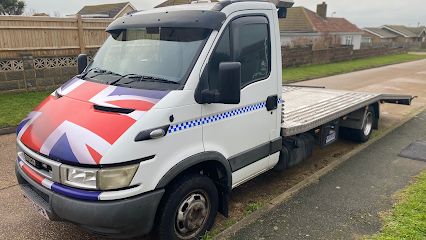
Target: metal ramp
(306, 108)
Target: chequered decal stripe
(217, 117)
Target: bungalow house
(395, 35)
(174, 2)
(114, 10)
(420, 31)
(407, 34)
(305, 27)
(378, 35)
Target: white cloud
(65, 7)
(361, 12)
(374, 12)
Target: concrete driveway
(19, 221)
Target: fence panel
(48, 36)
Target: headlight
(115, 178)
(79, 177)
(98, 179)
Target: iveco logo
(37, 164)
(31, 161)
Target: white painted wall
(354, 39)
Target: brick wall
(306, 55)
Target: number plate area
(36, 201)
(38, 208)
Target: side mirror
(283, 6)
(229, 87)
(230, 82)
(282, 13)
(81, 63)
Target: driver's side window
(245, 40)
(222, 53)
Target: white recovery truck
(179, 106)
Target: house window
(348, 40)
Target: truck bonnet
(80, 121)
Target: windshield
(138, 58)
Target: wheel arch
(376, 109)
(214, 165)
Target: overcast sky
(361, 12)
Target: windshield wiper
(130, 75)
(99, 72)
(84, 74)
(140, 78)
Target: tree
(12, 7)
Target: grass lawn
(407, 220)
(15, 106)
(295, 74)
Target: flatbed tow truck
(179, 106)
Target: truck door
(243, 132)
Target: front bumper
(120, 219)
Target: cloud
(361, 12)
(375, 12)
(65, 7)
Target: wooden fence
(48, 36)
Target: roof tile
(175, 2)
(401, 29)
(296, 21)
(383, 33)
(108, 9)
(300, 19)
(331, 24)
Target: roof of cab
(210, 15)
(206, 6)
(196, 6)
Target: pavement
(347, 203)
(19, 221)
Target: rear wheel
(363, 134)
(189, 208)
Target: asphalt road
(347, 203)
(19, 221)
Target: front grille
(42, 167)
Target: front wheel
(189, 208)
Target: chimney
(322, 10)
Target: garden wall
(306, 55)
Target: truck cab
(179, 106)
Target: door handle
(272, 102)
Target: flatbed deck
(306, 108)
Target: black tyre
(283, 161)
(363, 134)
(189, 208)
